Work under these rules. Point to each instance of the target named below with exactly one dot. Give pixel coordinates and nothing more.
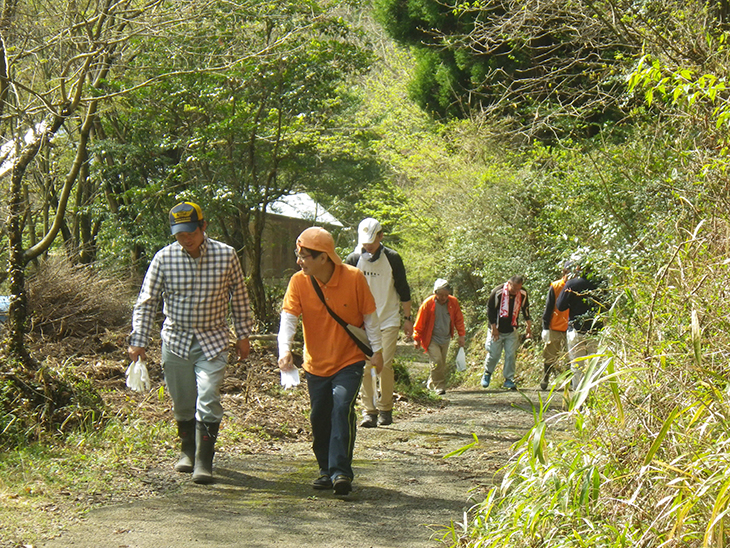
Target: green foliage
(89, 467)
(461, 203)
(464, 449)
(411, 387)
(252, 131)
(639, 454)
(525, 60)
(234, 124)
(647, 201)
(700, 96)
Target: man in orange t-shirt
(333, 363)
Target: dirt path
(403, 494)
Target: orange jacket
(423, 328)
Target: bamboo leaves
(660, 437)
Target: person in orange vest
(554, 327)
(584, 296)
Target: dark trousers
(333, 418)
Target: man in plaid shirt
(197, 278)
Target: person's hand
(495, 333)
(376, 360)
(286, 362)
(545, 336)
(408, 328)
(462, 341)
(137, 352)
(243, 347)
(528, 334)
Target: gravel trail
(405, 492)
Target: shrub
(66, 300)
(38, 404)
(646, 464)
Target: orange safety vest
(559, 320)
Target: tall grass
(648, 461)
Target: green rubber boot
(186, 433)
(205, 436)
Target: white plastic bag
(290, 379)
(374, 375)
(138, 378)
(461, 360)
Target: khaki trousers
(437, 353)
(555, 350)
(380, 398)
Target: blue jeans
(506, 342)
(195, 384)
(334, 419)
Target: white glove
(545, 335)
(138, 378)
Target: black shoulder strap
(318, 290)
(361, 345)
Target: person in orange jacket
(438, 316)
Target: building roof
(8, 149)
(302, 206)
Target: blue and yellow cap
(185, 217)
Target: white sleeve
(372, 328)
(287, 329)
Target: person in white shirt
(386, 276)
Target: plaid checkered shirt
(196, 294)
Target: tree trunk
(257, 290)
(86, 245)
(18, 312)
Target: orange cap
(318, 239)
